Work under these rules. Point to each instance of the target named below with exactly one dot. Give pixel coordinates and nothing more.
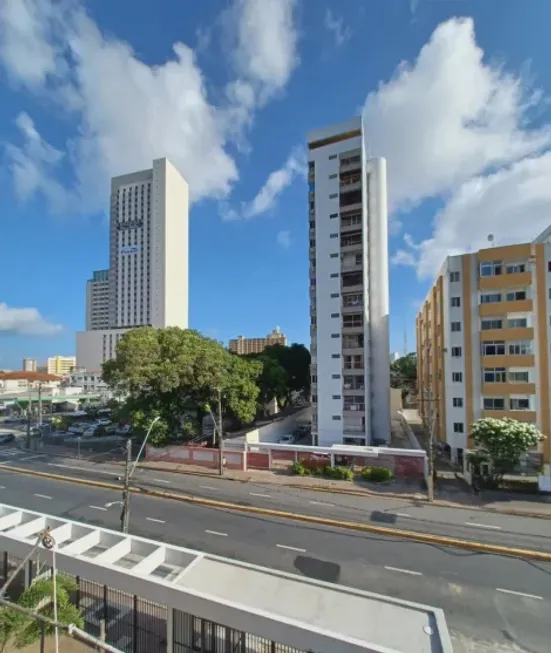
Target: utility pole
(220, 435)
(40, 408)
(432, 420)
(125, 513)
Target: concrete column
(332, 460)
(245, 450)
(169, 630)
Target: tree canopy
(502, 442)
(403, 372)
(172, 374)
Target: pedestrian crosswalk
(10, 452)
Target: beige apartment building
(29, 365)
(61, 365)
(242, 345)
(483, 342)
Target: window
(352, 197)
(335, 376)
(493, 403)
(334, 295)
(334, 255)
(335, 355)
(335, 335)
(333, 176)
(454, 277)
(336, 397)
(333, 156)
(334, 275)
(458, 402)
(353, 362)
(496, 348)
(519, 377)
(515, 295)
(491, 268)
(336, 417)
(333, 235)
(353, 320)
(334, 314)
(456, 352)
(494, 375)
(522, 348)
(517, 323)
(458, 427)
(352, 299)
(515, 268)
(334, 215)
(333, 196)
(485, 325)
(490, 298)
(456, 302)
(519, 404)
(457, 377)
(456, 326)
(314, 399)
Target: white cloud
(129, 113)
(341, 32)
(403, 257)
(266, 198)
(447, 117)
(284, 239)
(25, 321)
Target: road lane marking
(160, 480)
(42, 496)
(157, 521)
(404, 571)
(490, 526)
(322, 503)
(259, 494)
(2, 487)
(84, 469)
(98, 508)
(217, 533)
(207, 487)
(527, 596)
(291, 548)
(399, 514)
(40, 455)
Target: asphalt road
(468, 524)
(486, 598)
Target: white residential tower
(147, 280)
(348, 288)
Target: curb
(354, 526)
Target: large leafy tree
(502, 442)
(173, 373)
(295, 361)
(273, 381)
(403, 372)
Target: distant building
(97, 301)
(29, 365)
(242, 345)
(89, 382)
(21, 382)
(61, 365)
(394, 356)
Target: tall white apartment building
(348, 288)
(147, 280)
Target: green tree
(273, 380)
(295, 361)
(172, 373)
(403, 374)
(502, 442)
(20, 630)
(60, 423)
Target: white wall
(274, 431)
(91, 353)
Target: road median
(437, 540)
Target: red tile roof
(28, 376)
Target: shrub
(338, 473)
(299, 469)
(377, 474)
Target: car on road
(6, 438)
(289, 438)
(103, 421)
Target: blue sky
(454, 94)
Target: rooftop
(293, 610)
(28, 376)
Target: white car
(287, 439)
(104, 421)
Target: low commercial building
(21, 382)
(243, 346)
(89, 382)
(483, 337)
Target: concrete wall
(275, 430)
(395, 400)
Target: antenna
(491, 239)
(405, 342)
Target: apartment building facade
(29, 365)
(147, 280)
(61, 365)
(348, 288)
(243, 346)
(483, 342)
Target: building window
(335, 376)
(335, 314)
(333, 156)
(333, 176)
(456, 302)
(515, 268)
(522, 348)
(519, 404)
(458, 427)
(334, 215)
(493, 403)
(494, 375)
(517, 323)
(334, 295)
(334, 275)
(333, 235)
(456, 352)
(486, 325)
(519, 377)
(496, 348)
(457, 402)
(335, 335)
(336, 397)
(491, 268)
(334, 255)
(333, 196)
(456, 326)
(515, 295)
(457, 377)
(490, 298)
(335, 355)
(454, 277)
(336, 417)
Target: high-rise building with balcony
(147, 280)
(242, 345)
(347, 201)
(29, 365)
(483, 343)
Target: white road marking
(259, 494)
(40, 455)
(322, 503)
(84, 469)
(2, 487)
(490, 526)
(527, 596)
(400, 514)
(42, 496)
(98, 508)
(160, 480)
(291, 548)
(217, 533)
(157, 521)
(404, 571)
(207, 487)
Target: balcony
(352, 242)
(521, 333)
(352, 282)
(350, 181)
(508, 360)
(500, 308)
(507, 389)
(504, 281)
(519, 415)
(351, 221)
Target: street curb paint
(424, 538)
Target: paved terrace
(292, 610)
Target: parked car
(104, 421)
(6, 438)
(287, 439)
